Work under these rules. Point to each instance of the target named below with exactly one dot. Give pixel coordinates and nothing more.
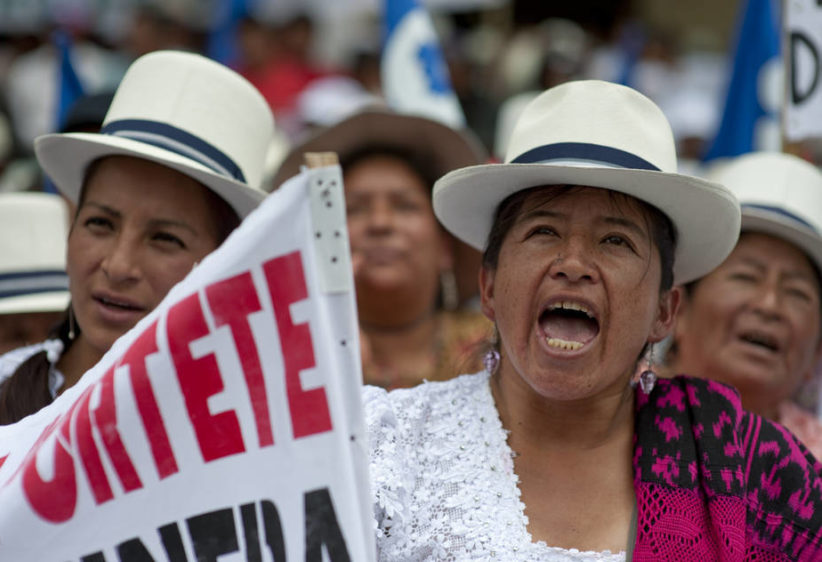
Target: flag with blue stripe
(222, 39)
(749, 113)
(70, 88)
(415, 76)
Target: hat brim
(66, 157)
(39, 302)
(807, 240)
(444, 148)
(705, 215)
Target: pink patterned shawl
(714, 482)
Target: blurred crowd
(318, 62)
(317, 65)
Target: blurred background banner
(414, 73)
(803, 59)
(70, 88)
(222, 40)
(751, 110)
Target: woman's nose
(120, 262)
(380, 217)
(573, 263)
(767, 299)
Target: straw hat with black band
(781, 195)
(597, 134)
(33, 229)
(181, 110)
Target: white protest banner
(803, 61)
(226, 425)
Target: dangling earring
(491, 361)
(647, 378)
(491, 358)
(71, 333)
(449, 290)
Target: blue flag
(222, 40)
(69, 86)
(746, 112)
(415, 76)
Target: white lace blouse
(10, 360)
(443, 481)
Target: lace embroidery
(441, 494)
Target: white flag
(415, 76)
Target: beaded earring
(491, 361)
(647, 378)
(71, 333)
(491, 358)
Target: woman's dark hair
(225, 218)
(422, 166)
(659, 225)
(27, 390)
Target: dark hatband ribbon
(168, 137)
(31, 282)
(584, 151)
(782, 212)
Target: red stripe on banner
(89, 454)
(217, 434)
(231, 301)
(135, 358)
(286, 284)
(105, 418)
(55, 499)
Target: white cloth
(9, 362)
(443, 479)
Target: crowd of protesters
(573, 212)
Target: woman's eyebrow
(791, 274)
(753, 262)
(105, 208)
(626, 223)
(539, 213)
(165, 223)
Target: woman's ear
(446, 257)
(682, 319)
(666, 314)
(816, 365)
(486, 290)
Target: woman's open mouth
(118, 304)
(117, 309)
(761, 340)
(568, 325)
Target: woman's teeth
(563, 344)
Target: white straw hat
(780, 194)
(33, 230)
(598, 134)
(181, 110)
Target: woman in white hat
(551, 453)
(33, 282)
(177, 164)
(754, 322)
(404, 262)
